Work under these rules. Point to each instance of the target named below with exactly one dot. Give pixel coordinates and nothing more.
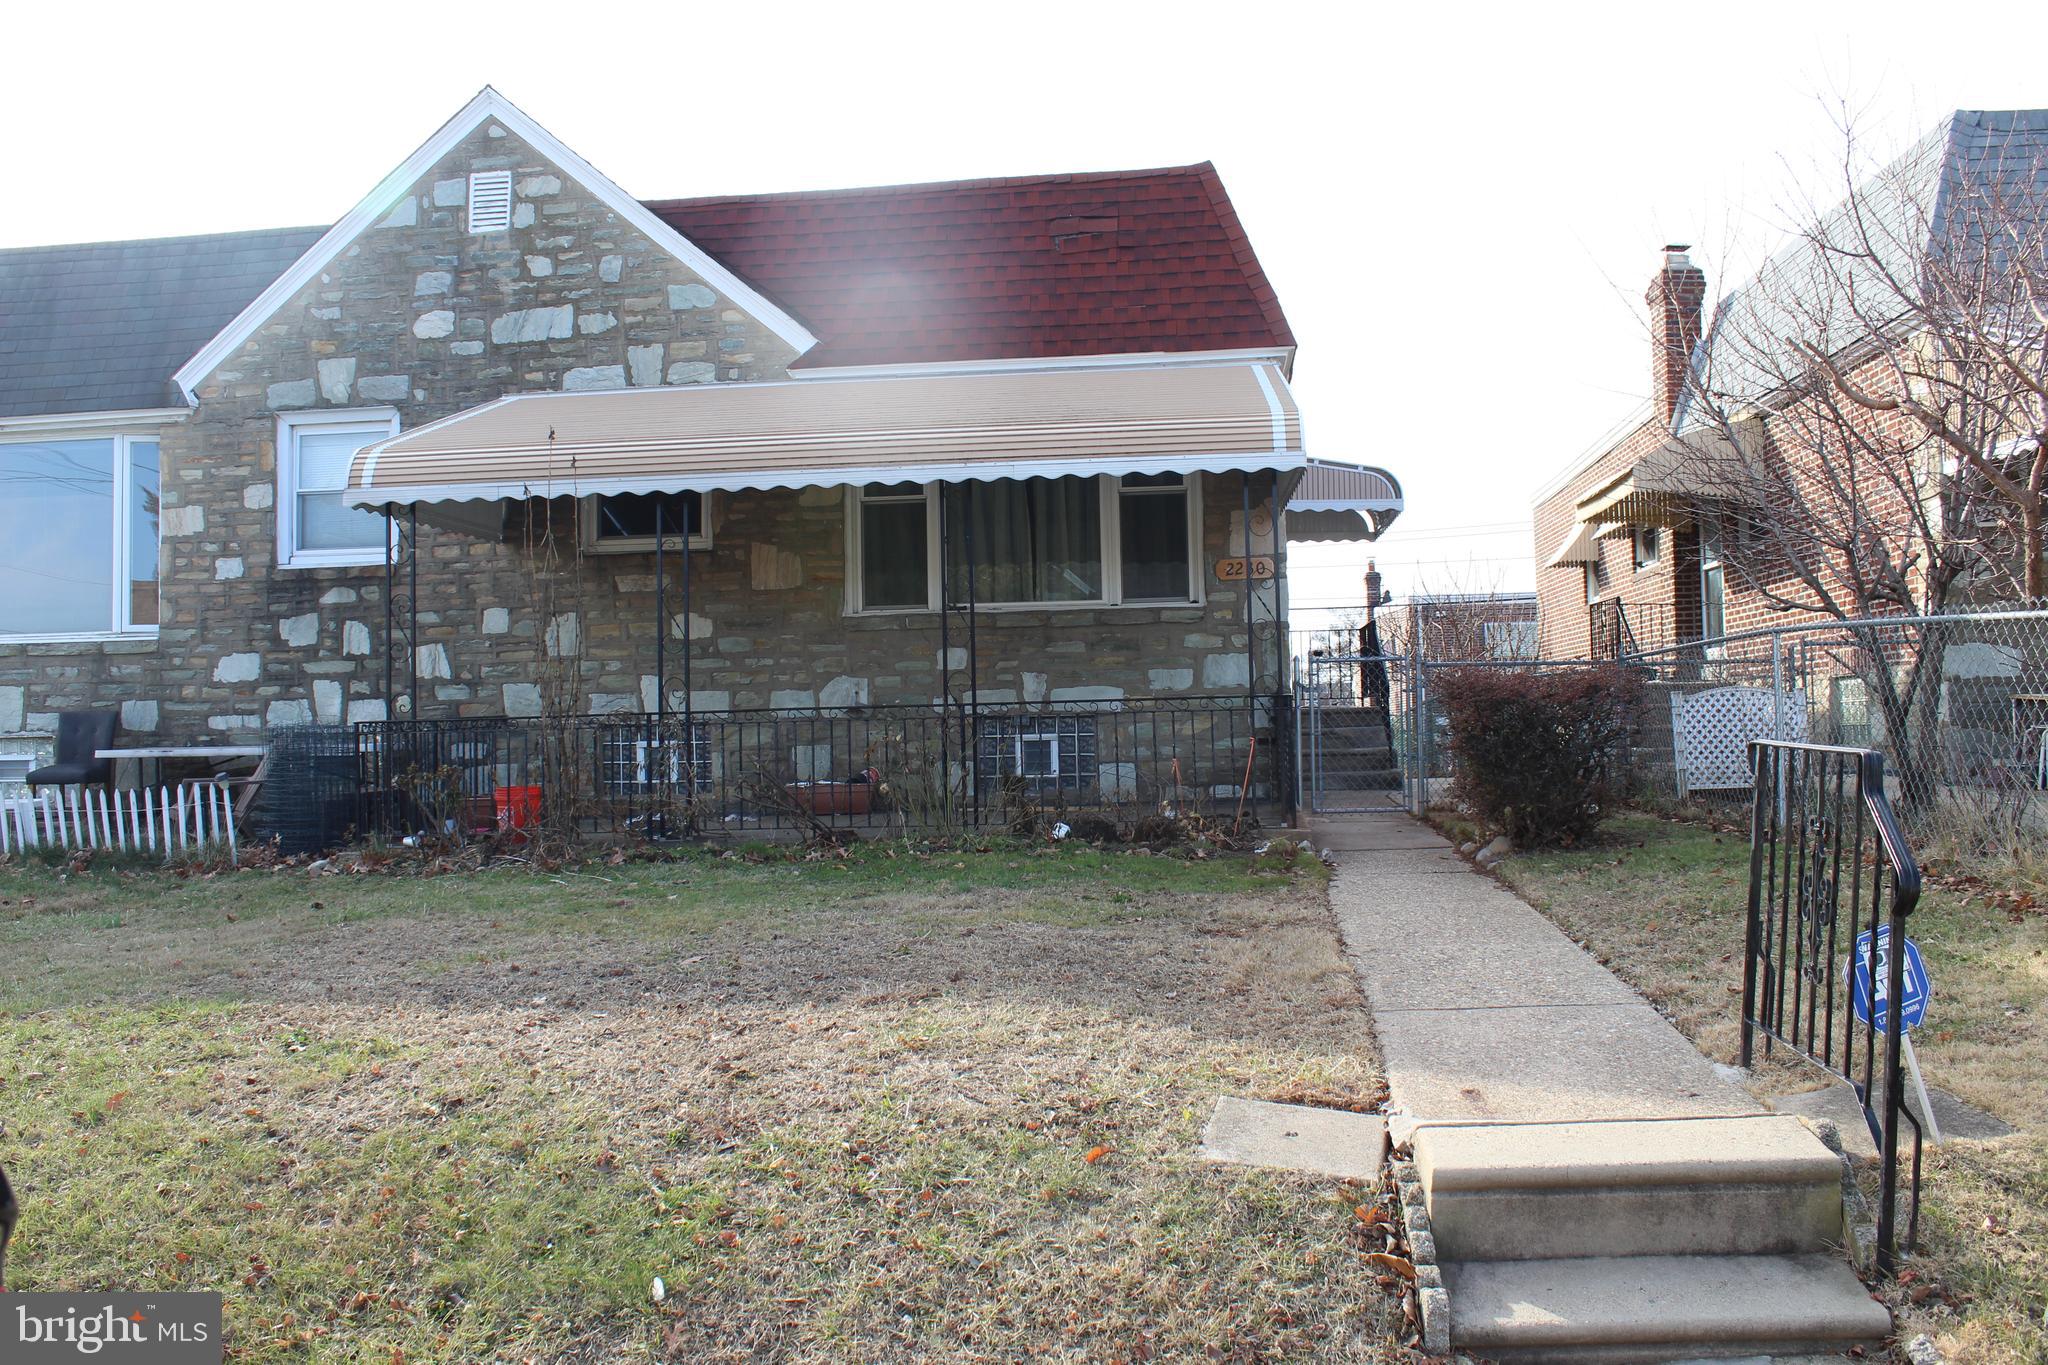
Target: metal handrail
(1810, 850)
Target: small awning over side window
(1580, 546)
(1342, 502)
(820, 433)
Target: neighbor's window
(1649, 546)
(1032, 540)
(894, 557)
(1596, 580)
(78, 535)
(1152, 523)
(629, 521)
(315, 525)
(1713, 582)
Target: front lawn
(1662, 903)
(896, 1106)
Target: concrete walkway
(1485, 1009)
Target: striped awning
(1579, 546)
(824, 432)
(1334, 501)
(1663, 487)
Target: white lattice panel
(1711, 732)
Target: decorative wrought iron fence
(1832, 882)
(745, 773)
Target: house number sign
(1233, 570)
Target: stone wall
(421, 316)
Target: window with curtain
(895, 561)
(315, 525)
(78, 535)
(1034, 540)
(1152, 515)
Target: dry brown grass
(847, 1126)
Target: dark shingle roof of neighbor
(101, 326)
(1944, 195)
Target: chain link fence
(1957, 703)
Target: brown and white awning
(824, 432)
(1663, 487)
(1342, 502)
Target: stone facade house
(507, 442)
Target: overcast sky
(1460, 211)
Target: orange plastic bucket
(518, 807)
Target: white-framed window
(1596, 580)
(1648, 545)
(1713, 581)
(1038, 543)
(78, 534)
(315, 527)
(627, 523)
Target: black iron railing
(1832, 883)
(738, 773)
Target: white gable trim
(488, 104)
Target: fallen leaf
(1095, 1154)
(1386, 1260)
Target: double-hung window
(1038, 542)
(316, 528)
(78, 535)
(1713, 580)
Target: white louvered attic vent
(490, 201)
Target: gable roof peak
(487, 104)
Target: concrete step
(1601, 1310)
(1671, 1187)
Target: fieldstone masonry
(421, 316)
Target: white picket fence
(164, 820)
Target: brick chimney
(1676, 296)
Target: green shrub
(1540, 756)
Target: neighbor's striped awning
(1663, 487)
(823, 432)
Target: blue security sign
(1914, 990)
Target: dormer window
(490, 201)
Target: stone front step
(1727, 1186)
(1603, 1310)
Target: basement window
(627, 523)
(490, 201)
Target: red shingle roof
(998, 269)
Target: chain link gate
(1353, 737)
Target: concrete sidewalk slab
(1295, 1137)
(1956, 1118)
(1487, 1011)
(1548, 1063)
(1375, 833)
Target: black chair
(79, 735)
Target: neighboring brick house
(1637, 540)
(193, 429)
